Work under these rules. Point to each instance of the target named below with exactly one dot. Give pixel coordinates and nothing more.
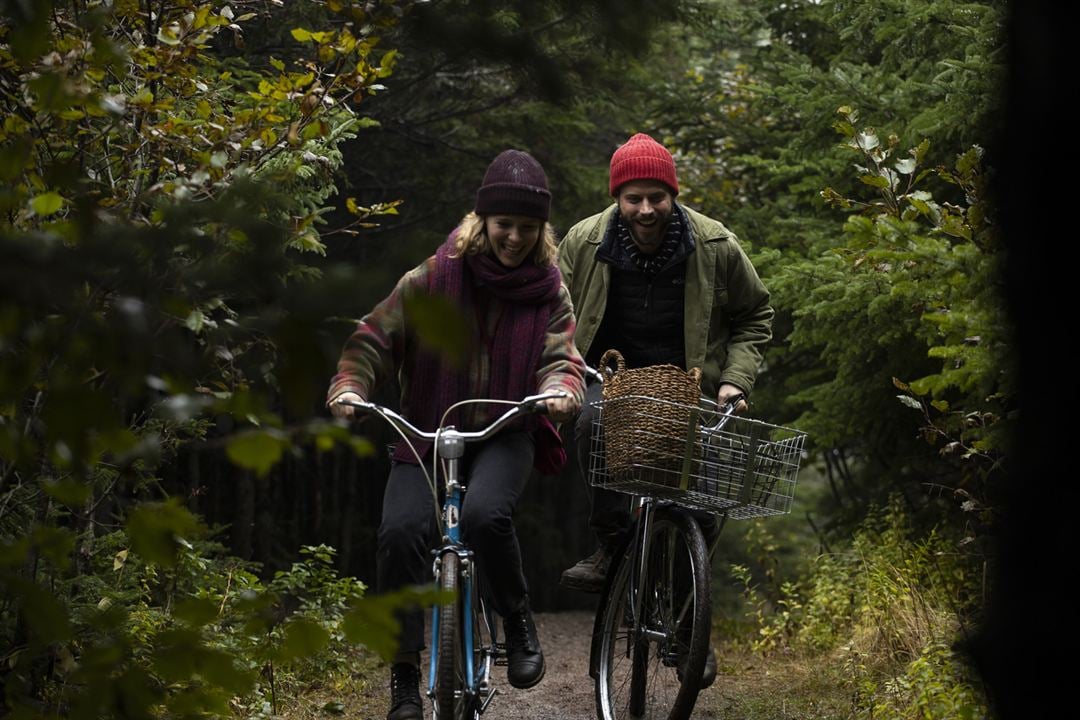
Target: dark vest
(643, 318)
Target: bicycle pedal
(501, 658)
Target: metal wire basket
(727, 465)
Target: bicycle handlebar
(533, 403)
(594, 374)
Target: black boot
(526, 661)
(405, 693)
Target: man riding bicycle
(663, 284)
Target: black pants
(609, 515)
(495, 473)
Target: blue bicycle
(464, 641)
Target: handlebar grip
(359, 405)
(729, 407)
(538, 404)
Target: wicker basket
(737, 467)
(652, 431)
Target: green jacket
(727, 316)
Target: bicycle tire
(450, 696)
(656, 674)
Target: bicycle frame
(641, 547)
(451, 447)
(642, 544)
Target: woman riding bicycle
(498, 268)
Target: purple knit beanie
(514, 184)
(642, 158)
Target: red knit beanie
(514, 184)
(642, 158)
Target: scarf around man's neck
(514, 348)
(650, 265)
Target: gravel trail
(566, 692)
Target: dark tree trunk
(243, 515)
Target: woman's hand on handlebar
(561, 409)
(729, 392)
(344, 411)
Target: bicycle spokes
(655, 630)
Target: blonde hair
(471, 239)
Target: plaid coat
(384, 344)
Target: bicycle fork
(639, 573)
(649, 624)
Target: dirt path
(566, 692)
(748, 687)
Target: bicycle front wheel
(654, 624)
(451, 699)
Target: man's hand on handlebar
(562, 409)
(346, 412)
(727, 393)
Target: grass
(750, 686)
(358, 691)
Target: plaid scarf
(514, 348)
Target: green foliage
(908, 289)
(158, 531)
(917, 277)
(166, 181)
(172, 192)
(904, 297)
(893, 589)
(257, 450)
(564, 80)
(202, 635)
(160, 207)
(750, 108)
(771, 620)
(890, 605)
(934, 685)
(374, 622)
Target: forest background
(201, 198)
